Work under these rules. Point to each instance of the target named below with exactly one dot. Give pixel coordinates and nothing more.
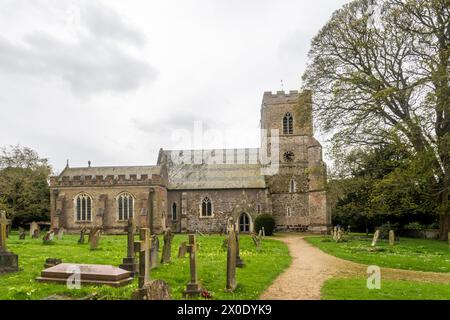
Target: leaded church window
(288, 124)
(206, 207)
(125, 206)
(174, 211)
(83, 207)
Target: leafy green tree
(379, 72)
(24, 190)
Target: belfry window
(174, 211)
(206, 210)
(125, 206)
(288, 124)
(292, 186)
(83, 207)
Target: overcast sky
(113, 81)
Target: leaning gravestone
(376, 236)
(9, 262)
(182, 250)
(231, 260)
(60, 233)
(129, 263)
(82, 234)
(153, 290)
(391, 237)
(154, 251)
(193, 288)
(167, 247)
(48, 237)
(257, 239)
(22, 233)
(95, 239)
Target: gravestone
(95, 239)
(391, 237)
(239, 262)
(48, 237)
(143, 248)
(334, 233)
(339, 234)
(88, 273)
(129, 263)
(34, 226)
(22, 233)
(154, 252)
(148, 289)
(92, 232)
(51, 262)
(36, 234)
(82, 234)
(257, 239)
(193, 288)
(263, 231)
(60, 233)
(167, 247)
(9, 262)
(182, 250)
(376, 236)
(231, 260)
(153, 290)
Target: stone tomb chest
(89, 274)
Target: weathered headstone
(153, 290)
(33, 227)
(339, 234)
(48, 237)
(9, 262)
(95, 239)
(22, 233)
(154, 252)
(36, 234)
(263, 231)
(193, 288)
(92, 232)
(391, 237)
(51, 262)
(82, 234)
(167, 247)
(376, 236)
(231, 260)
(334, 233)
(257, 239)
(182, 250)
(129, 263)
(60, 233)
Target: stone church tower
(298, 188)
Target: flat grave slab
(89, 274)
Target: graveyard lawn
(408, 253)
(356, 289)
(259, 272)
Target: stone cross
(143, 247)
(3, 225)
(193, 288)
(129, 263)
(167, 247)
(182, 250)
(154, 250)
(376, 236)
(391, 237)
(231, 260)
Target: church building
(198, 190)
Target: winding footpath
(311, 267)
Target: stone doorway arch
(245, 223)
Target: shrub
(266, 221)
(416, 226)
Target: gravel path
(311, 267)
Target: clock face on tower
(288, 156)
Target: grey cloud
(88, 65)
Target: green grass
(410, 254)
(260, 270)
(356, 289)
